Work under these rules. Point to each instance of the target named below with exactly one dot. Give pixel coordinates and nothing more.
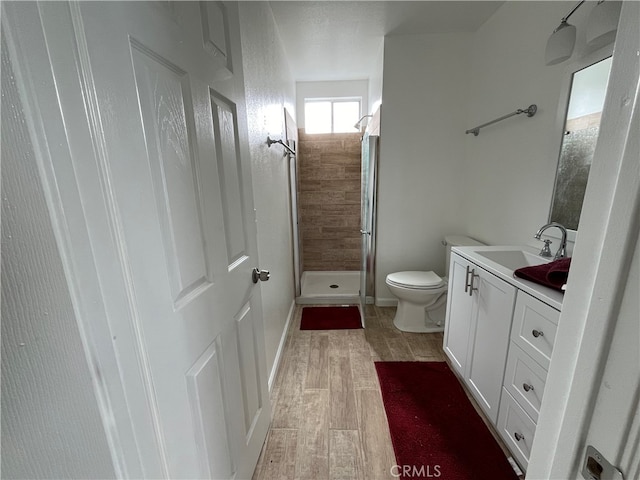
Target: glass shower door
(367, 219)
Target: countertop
(547, 295)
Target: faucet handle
(546, 251)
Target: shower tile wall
(329, 201)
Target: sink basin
(503, 260)
(514, 259)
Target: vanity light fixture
(600, 30)
(562, 40)
(602, 24)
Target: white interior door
(163, 98)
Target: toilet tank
(457, 241)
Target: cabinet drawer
(534, 327)
(524, 379)
(516, 429)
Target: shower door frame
(291, 138)
(368, 208)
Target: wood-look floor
(328, 420)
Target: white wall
(496, 187)
(51, 425)
(375, 82)
(424, 87)
(347, 88)
(510, 167)
(269, 88)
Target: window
(331, 115)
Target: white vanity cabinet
(477, 328)
(532, 338)
(499, 337)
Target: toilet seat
(415, 280)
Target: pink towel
(553, 274)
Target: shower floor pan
(329, 288)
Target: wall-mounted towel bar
(530, 111)
(287, 147)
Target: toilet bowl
(422, 297)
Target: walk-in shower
(335, 217)
(330, 287)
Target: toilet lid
(415, 279)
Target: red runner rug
(435, 430)
(330, 318)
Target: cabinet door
(459, 315)
(487, 354)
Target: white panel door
(163, 98)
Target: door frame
(370, 143)
(368, 240)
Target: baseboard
(281, 345)
(386, 302)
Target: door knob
(262, 275)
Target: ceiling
(341, 40)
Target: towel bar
(530, 111)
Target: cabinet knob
(527, 387)
(537, 333)
(518, 436)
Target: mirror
(581, 127)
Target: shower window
(331, 115)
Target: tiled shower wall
(329, 201)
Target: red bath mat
(435, 430)
(330, 318)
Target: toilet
(422, 296)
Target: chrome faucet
(546, 252)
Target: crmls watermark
(416, 471)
